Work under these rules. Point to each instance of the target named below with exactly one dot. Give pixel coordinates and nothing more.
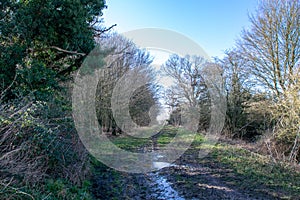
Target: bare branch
(100, 32)
(11, 84)
(66, 51)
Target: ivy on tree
(44, 41)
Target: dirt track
(186, 179)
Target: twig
(66, 51)
(293, 151)
(270, 151)
(8, 153)
(99, 32)
(6, 185)
(21, 192)
(11, 84)
(17, 190)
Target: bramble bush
(286, 138)
(37, 141)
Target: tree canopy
(42, 41)
(271, 46)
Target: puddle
(160, 165)
(159, 156)
(152, 185)
(162, 189)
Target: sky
(213, 24)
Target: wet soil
(187, 178)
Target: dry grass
(38, 141)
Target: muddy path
(208, 180)
(188, 178)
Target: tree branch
(66, 51)
(99, 32)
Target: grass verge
(255, 172)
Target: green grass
(170, 132)
(165, 136)
(248, 170)
(130, 143)
(252, 170)
(51, 190)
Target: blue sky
(213, 24)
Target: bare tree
(186, 72)
(272, 45)
(190, 88)
(271, 49)
(124, 57)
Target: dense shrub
(286, 112)
(38, 140)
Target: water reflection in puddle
(162, 188)
(159, 162)
(160, 165)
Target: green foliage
(58, 189)
(140, 103)
(38, 140)
(38, 80)
(61, 189)
(42, 42)
(64, 24)
(264, 62)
